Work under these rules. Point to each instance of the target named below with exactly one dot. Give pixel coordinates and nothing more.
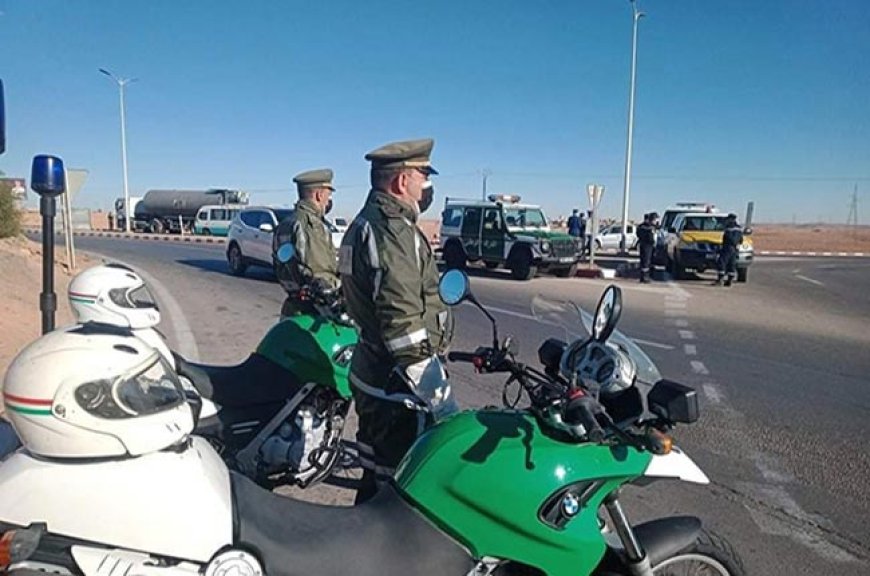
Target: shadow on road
(219, 266)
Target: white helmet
(78, 393)
(112, 294)
(605, 363)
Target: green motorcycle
(529, 489)
(281, 413)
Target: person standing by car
(732, 238)
(646, 241)
(575, 224)
(310, 234)
(390, 284)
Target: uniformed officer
(390, 285)
(646, 241)
(308, 231)
(732, 238)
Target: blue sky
(737, 100)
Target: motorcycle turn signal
(658, 442)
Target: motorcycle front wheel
(710, 554)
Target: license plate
(566, 259)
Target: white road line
(681, 323)
(810, 280)
(675, 304)
(690, 349)
(687, 334)
(675, 312)
(571, 332)
(699, 368)
(712, 393)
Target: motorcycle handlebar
(579, 411)
(462, 356)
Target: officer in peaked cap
(732, 238)
(306, 228)
(390, 284)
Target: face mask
(426, 198)
(328, 207)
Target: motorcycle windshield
(576, 324)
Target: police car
(693, 240)
(503, 232)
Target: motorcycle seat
(257, 380)
(382, 536)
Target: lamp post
(122, 82)
(636, 16)
(486, 173)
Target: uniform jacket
(390, 284)
(646, 233)
(316, 256)
(732, 237)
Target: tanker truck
(162, 211)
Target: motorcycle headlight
(545, 246)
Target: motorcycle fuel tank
(167, 503)
(504, 488)
(313, 348)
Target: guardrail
(142, 236)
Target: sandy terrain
(811, 238)
(20, 285)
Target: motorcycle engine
(291, 446)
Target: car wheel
(676, 271)
(206, 232)
(236, 261)
(454, 257)
(522, 266)
(742, 274)
(597, 245)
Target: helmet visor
(150, 389)
(138, 297)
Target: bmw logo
(570, 504)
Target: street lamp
(122, 82)
(636, 16)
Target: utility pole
(636, 16)
(486, 172)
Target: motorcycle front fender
(660, 539)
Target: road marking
(699, 368)
(810, 280)
(712, 393)
(690, 349)
(687, 334)
(675, 312)
(576, 333)
(681, 323)
(675, 305)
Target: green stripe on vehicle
(32, 411)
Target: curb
(820, 254)
(132, 236)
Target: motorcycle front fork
(636, 558)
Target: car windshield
(516, 217)
(704, 223)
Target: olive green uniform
(315, 254)
(390, 284)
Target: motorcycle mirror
(286, 252)
(607, 313)
(453, 287)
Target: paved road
(782, 362)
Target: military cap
(407, 154)
(321, 178)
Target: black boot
(728, 281)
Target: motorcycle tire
(708, 554)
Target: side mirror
(286, 252)
(747, 231)
(453, 287)
(266, 227)
(47, 176)
(607, 313)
